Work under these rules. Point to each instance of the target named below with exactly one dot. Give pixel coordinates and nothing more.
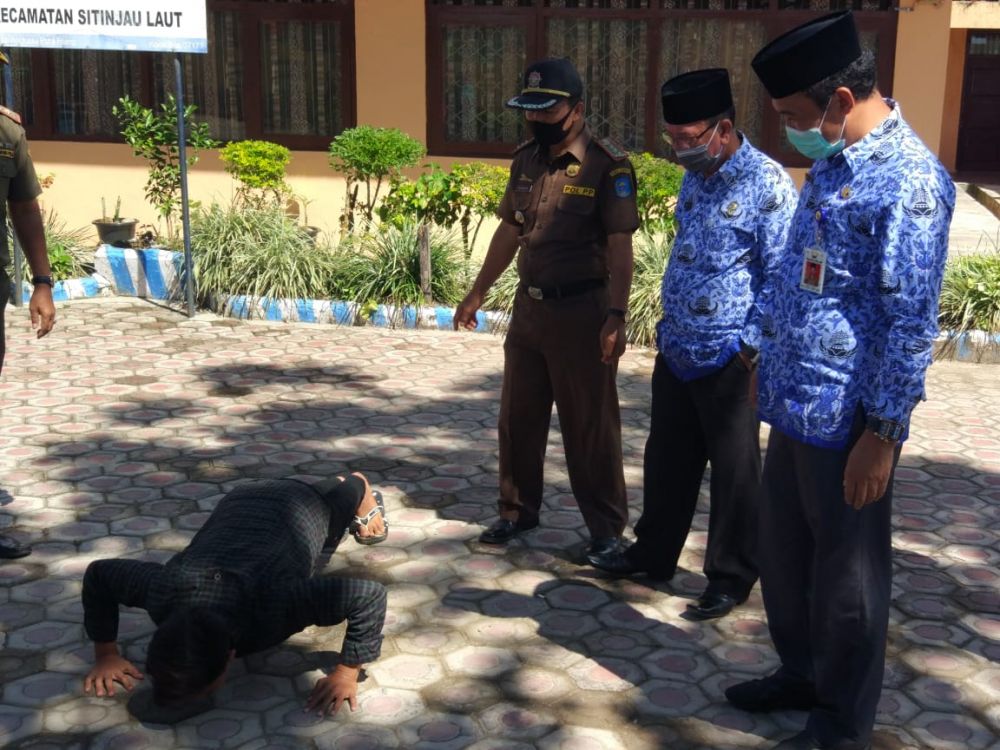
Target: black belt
(563, 290)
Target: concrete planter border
(157, 274)
(91, 286)
(151, 273)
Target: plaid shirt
(252, 562)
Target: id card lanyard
(814, 258)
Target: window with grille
(282, 70)
(624, 50)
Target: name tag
(813, 270)
(587, 192)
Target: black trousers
(826, 576)
(707, 420)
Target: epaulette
(522, 146)
(612, 148)
(11, 114)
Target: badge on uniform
(813, 270)
(623, 186)
(519, 217)
(573, 170)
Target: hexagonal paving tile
(481, 661)
(404, 671)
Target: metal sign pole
(8, 84)
(185, 209)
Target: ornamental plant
(259, 167)
(481, 188)
(153, 136)
(367, 155)
(658, 182)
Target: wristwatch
(617, 313)
(885, 429)
(36, 280)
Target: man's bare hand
(110, 669)
(42, 309)
(869, 465)
(332, 691)
(465, 313)
(612, 339)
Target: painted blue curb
(971, 346)
(152, 272)
(91, 286)
(347, 313)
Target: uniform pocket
(7, 168)
(580, 205)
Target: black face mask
(549, 134)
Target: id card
(813, 270)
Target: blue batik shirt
(732, 228)
(882, 207)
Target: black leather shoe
(601, 549)
(805, 741)
(620, 564)
(502, 531)
(711, 605)
(603, 545)
(773, 693)
(11, 549)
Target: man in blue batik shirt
(734, 209)
(848, 335)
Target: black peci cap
(806, 55)
(695, 96)
(546, 82)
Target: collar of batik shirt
(857, 155)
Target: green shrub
(652, 252)
(69, 254)
(383, 266)
(481, 188)
(259, 168)
(432, 198)
(258, 252)
(658, 183)
(153, 136)
(366, 153)
(970, 294)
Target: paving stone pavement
(120, 432)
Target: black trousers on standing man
(826, 576)
(694, 423)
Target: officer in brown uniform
(19, 189)
(568, 214)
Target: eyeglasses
(684, 142)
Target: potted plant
(114, 230)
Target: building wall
(952, 105)
(391, 92)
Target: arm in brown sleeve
(619, 213)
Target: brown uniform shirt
(17, 175)
(566, 208)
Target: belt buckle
(535, 293)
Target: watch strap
(36, 280)
(885, 430)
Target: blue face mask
(812, 144)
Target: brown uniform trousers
(566, 208)
(17, 183)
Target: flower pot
(116, 233)
(311, 232)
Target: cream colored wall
(921, 75)
(977, 14)
(952, 104)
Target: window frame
(251, 13)
(534, 18)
